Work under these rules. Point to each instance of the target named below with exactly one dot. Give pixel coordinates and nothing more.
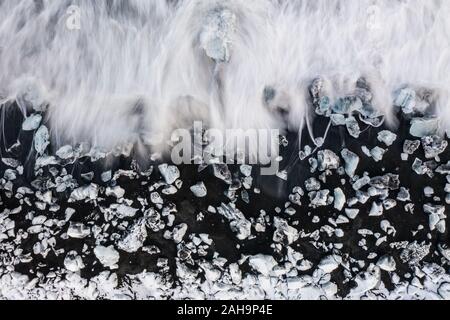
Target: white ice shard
(262, 264)
(351, 162)
(32, 122)
(217, 34)
(387, 137)
(422, 127)
(135, 237)
(339, 199)
(41, 140)
(169, 173)
(108, 256)
(65, 152)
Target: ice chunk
(199, 190)
(387, 263)
(324, 107)
(351, 162)
(347, 105)
(415, 252)
(422, 127)
(320, 198)
(361, 183)
(32, 122)
(337, 119)
(134, 239)
(108, 256)
(352, 213)
(262, 264)
(377, 153)
(409, 147)
(312, 184)
(353, 127)
(246, 170)
(330, 263)
(388, 181)
(83, 193)
(433, 146)
(444, 290)
(367, 280)
(65, 152)
(436, 217)
(116, 192)
(376, 210)
(284, 233)
(41, 140)
(73, 262)
(169, 173)
(78, 230)
(222, 172)
(406, 99)
(327, 160)
(217, 33)
(387, 137)
(339, 199)
(10, 162)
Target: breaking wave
(121, 71)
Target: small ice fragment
(135, 237)
(312, 184)
(78, 230)
(73, 262)
(32, 122)
(337, 119)
(437, 217)
(433, 146)
(222, 172)
(282, 175)
(387, 263)
(217, 33)
(422, 127)
(169, 173)
(41, 140)
(116, 192)
(262, 264)
(347, 105)
(353, 127)
(327, 160)
(83, 193)
(352, 213)
(330, 263)
(406, 99)
(106, 176)
(65, 152)
(199, 190)
(387, 137)
(284, 233)
(428, 191)
(108, 256)
(409, 147)
(10, 162)
(365, 180)
(377, 153)
(246, 170)
(320, 198)
(351, 162)
(339, 199)
(376, 210)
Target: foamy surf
(119, 72)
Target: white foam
(136, 69)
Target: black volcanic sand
(274, 193)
